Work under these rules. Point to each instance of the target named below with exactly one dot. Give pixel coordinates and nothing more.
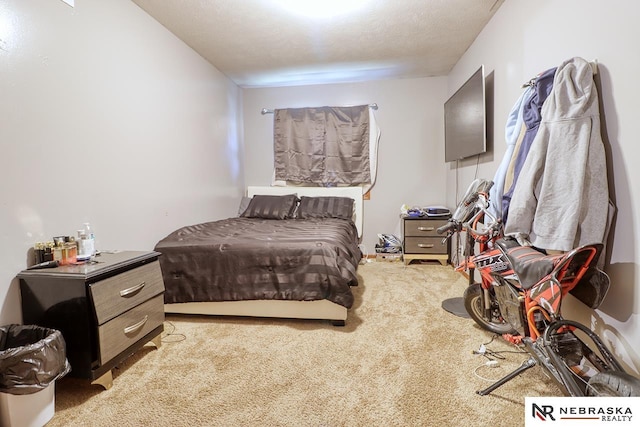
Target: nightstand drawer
(424, 245)
(422, 227)
(120, 293)
(125, 330)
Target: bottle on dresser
(86, 243)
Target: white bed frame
(321, 309)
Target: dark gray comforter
(249, 259)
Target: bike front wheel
(474, 306)
(613, 384)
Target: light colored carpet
(401, 360)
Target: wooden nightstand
(421, 241)
(106, 310)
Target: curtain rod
(267, 111)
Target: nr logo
(543, 412)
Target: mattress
(239, 259)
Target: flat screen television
(465, 122)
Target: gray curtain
(325, 146)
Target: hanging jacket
(513, 130)
(561, 198)
(532, 116)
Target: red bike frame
(522, 290)
(546, 295)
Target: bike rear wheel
(474, 306)
(613, 384)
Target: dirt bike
(520, 294)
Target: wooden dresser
(421, 241)
(106, 309)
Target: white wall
(524, 39)
(410, 155)
(106, 117)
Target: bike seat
(528, 263)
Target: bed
(265, 263)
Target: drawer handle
(426, 228)
(424, 245)
(135, 327)
(131, 290)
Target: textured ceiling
(260, 43)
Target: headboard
(354, 193)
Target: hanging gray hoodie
(561, 197)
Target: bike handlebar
(454, 226)
(472, 208)
(451, 226)
(495, 225)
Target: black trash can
(32, 358)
